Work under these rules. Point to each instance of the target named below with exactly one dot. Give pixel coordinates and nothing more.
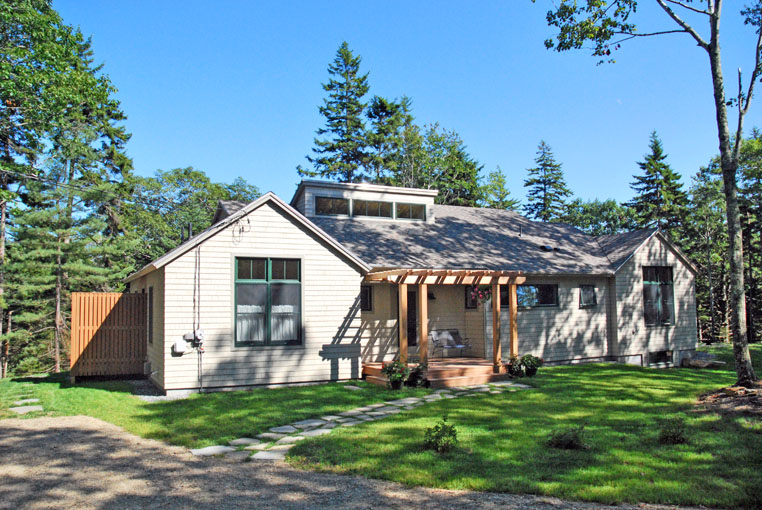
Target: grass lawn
(200, 420)
(503, 440)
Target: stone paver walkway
(25, 404)
(274, 444)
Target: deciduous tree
(604, 25)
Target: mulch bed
(733, 400)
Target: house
(316, 290)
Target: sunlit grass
(199, 420)
(503, 440)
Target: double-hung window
(658, 296)
(268, 308)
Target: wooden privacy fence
(108, 333)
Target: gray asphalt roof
(619, 247)
(470, 238)
(476, 238)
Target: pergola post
(513, 316)
(497, 353)
(423, 316)
(402, 287)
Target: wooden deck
(444, 372)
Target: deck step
(449, 382)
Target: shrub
(417, 377)
(396, 373)
(442, 437)
(672, 431)
(568, 439)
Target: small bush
(672, 431)
(442, 437)
(417, 377)
(568, 439)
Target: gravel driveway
(80, 462)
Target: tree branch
(701, 42)
(745, 102)
(631, 35)
(684, 6)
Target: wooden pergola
(425, 277)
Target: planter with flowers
(396, 373)
(480, 294)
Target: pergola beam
(446, 277)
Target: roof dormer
(364, 201)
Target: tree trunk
(7, 348)
(713, 329)
(729, 165)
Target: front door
(412, 317)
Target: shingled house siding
(633, 335)
(330, 307)
(155, 349)
(446, 311)
(558, 333)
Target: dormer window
(371, 208)
(411, 211)
(331, 206)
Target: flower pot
(530, 371)
(395, 385)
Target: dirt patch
(84, 463)
(733, 400)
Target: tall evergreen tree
(706, 240)
(750, 202)
(660, 200)
(546, 198)
(388, 120)
(342, 154)
(496, 193)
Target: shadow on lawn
(504, 441)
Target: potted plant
(531, 364)
(514, 367)
(396, 373)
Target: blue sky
(233, 87)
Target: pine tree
(388, 120)
(546, 199)
(660, 200)
(496, 193)
(705, 239)
(343, 154)
(750, 202)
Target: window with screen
(331, 206)
(411, 211)
(587, 296)
(371, 208)
(268, 301)
(366, 298)
(531, 296)
(470, 301)
(658, 296)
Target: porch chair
(448, 339)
